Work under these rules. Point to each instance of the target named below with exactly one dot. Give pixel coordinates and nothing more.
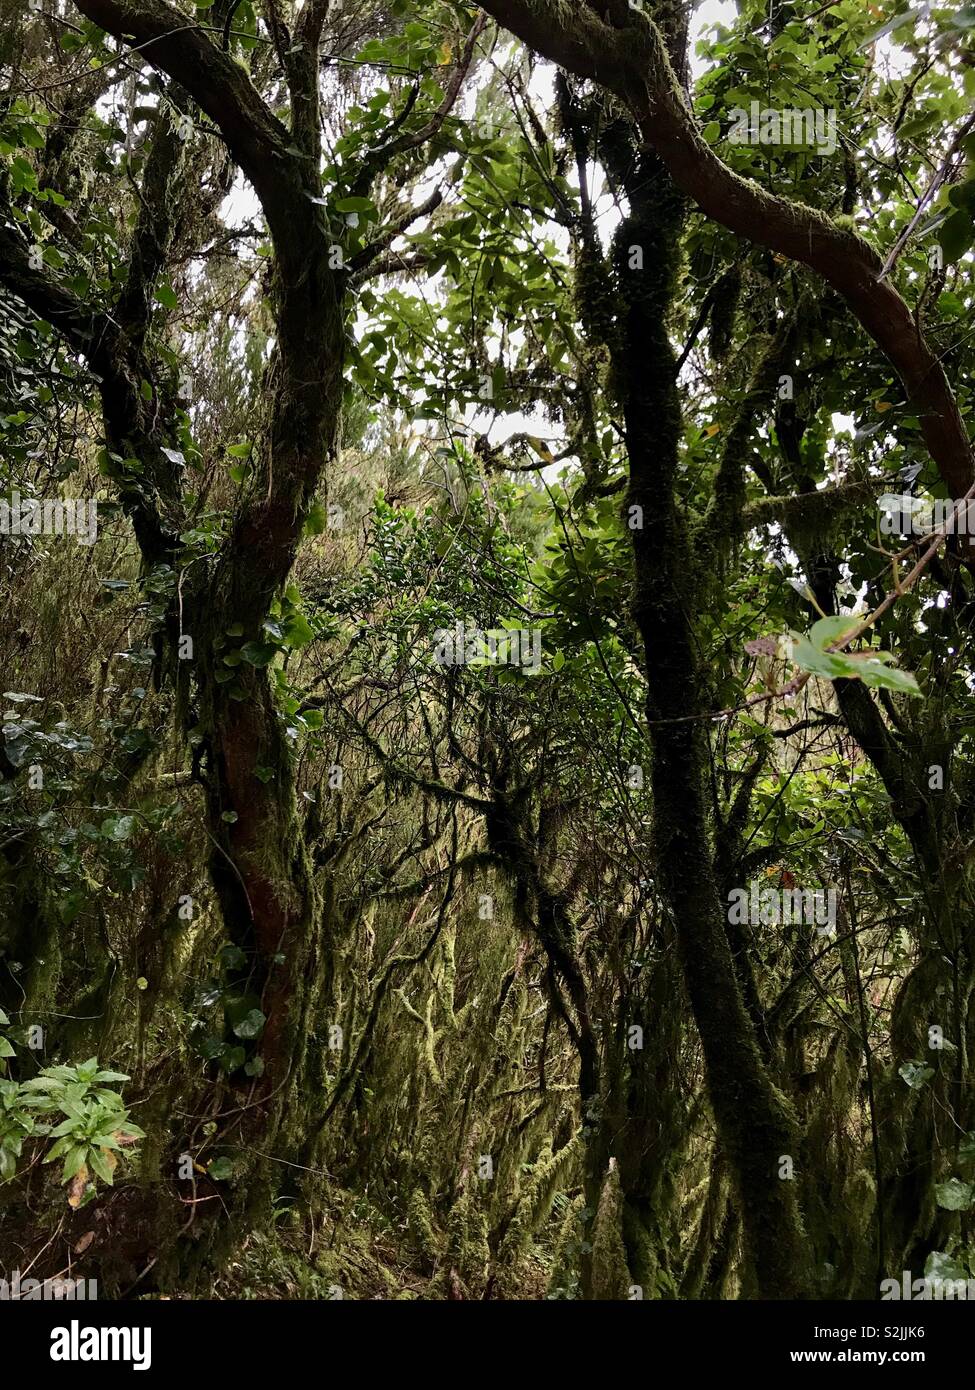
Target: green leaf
(233, 1058)
(817, 662)
(876, 672)
(232, 958)
(98, 1159)
(166, 296)
(954, 1195)
(891, 26)
(119, 828)
(829, 630)
(258, 653)
(251, 1025)
(298, 632)
(74, 1162)
(915, 1074)
(940, 1265)
(316, 520)
(956, 235)
(354, 205)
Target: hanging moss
(724, 313)
(468, 1252)
(532, 1209)
(610, 1272)
(420, 1223)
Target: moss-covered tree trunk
(756, 1126)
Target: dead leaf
(84, 1242)
(76, 1187)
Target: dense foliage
(487, 777)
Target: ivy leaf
(915, 1074)
(251, 1025)
(118, 828)
(940, 1265)
(232, 958)
(954, 1195)
(298, 632)
(258, 653)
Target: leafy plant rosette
(77, 1109)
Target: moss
(549, 1173)
(446, 976)
(610, 1271)
(564, 1276)
(724, 314)
(468, 1252)
(809, 516)
(420, 1222)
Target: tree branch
(633, 63)
(258, 141)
